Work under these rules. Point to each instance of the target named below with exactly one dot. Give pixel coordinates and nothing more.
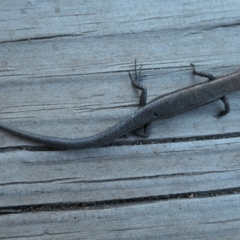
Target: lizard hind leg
(223, 99)
(144, 131)
(136, 83)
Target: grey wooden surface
(175, 219)
(64, 72)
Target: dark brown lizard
(164, 106)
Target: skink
(164, 106)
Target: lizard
(162, 107)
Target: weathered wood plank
(203, 218)
(66, 57)
(26, 19)
(118, 172)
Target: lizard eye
(155, 114)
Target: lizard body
(162, 107)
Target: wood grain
(64, 72)
(62, 85)
(114, 173)
(203, 218)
